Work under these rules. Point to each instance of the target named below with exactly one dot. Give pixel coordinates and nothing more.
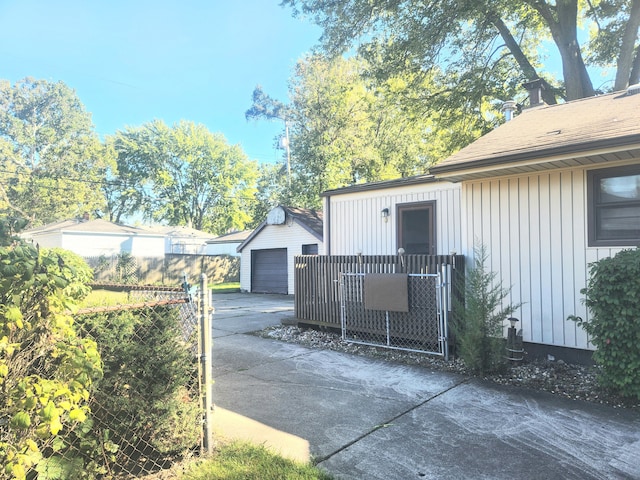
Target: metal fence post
(205, 358)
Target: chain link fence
(422, 328)
(148, 410)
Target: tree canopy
(51, 160)
(346, 126)
(489, 41)
(182, 175)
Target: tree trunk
(529, 71)
(627, 48)
(634, 76)
(564, 29)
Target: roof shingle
(551, 129)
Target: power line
(58, 188)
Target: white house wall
(534, 229)
(144, 246)
(95, 245)
(48, 240)
(223, 249)
(290, 236)
(353, 221)
(186, 245)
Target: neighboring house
(547, 193)
(94, 238)
(227, 244)
(267, 255)
(183, 240)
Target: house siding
(534, 228)
(290, 236)
(223, 249)
(91, 244)
(355, 225)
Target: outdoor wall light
(385, 214)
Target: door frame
(429, 205)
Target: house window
(417, 228)
(311, 249)
(614, 206)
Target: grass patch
(105, 298)
(231, 287)
(244, 461)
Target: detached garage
(267, 255)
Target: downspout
(327, 226)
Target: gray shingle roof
(312, 219)
(606, 121)
(90, 226)
(232, 237)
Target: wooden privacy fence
(167, 270)
(317, 279)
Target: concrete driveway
(362, 418)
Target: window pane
(415, 231)
(620, 189)
(619, 223)
(311, 249)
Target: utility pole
(284, 142)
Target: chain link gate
(422, 329)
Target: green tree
(51, 160)
(128, 181)
(476, 39)
(272, 190)
(348, 127)
(480, 318)
(184, 175)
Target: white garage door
(269, 271)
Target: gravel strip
(577, 382)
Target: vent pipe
(509, 108)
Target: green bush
(147, 394)
(46, 369)
(480, 317)
(613, 298)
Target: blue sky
(134, 61)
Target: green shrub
(46, 370)
(478, 327)
(613, 298)
(126, 268)
(147, 394)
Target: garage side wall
(356, 224)
(291, 236)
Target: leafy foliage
(126, 268)
(480, 319)
(147, 392)
(613, 297)
(349, 126)
(182, 175)
(51, 160)
(487, 42)
(46, 370)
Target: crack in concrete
(319, 460)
